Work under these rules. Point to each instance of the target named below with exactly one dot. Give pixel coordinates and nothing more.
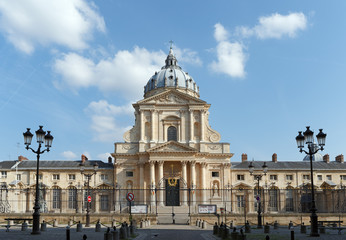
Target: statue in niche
(215, 190)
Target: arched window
(72, 198)
(171, 134)
(56, 197)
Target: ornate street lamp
(308, 138)
(88, 177)
(41, 138)
(258, 197)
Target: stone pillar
(97, 202)
(153, 137)
(160, 126)
(202, 125)
(191, 125)
(28, 201)
(79, 201)
(184, 176)
(203, 184)
(182, 126)
(142, 126)
(193, 181)
(141, 182)
(152, 183)
(161, 187)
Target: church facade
(171, 151)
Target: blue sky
(268, 69)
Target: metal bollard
(98, 227)
(127, 230)
(79, 227)
(132, 230)
(24, 226)
(55, 223)
(220, 230)
(43, 226)
(302, 228)
(116, 235)
(276, 225)
(290, 225)
(108, 235)
(234, 234)
(225, 232)
(266, 228)
(85, 237)
(203, 224)
(247, 227)
(215, 229)
(141, 225)
(292, 233)
(68, 233)
(197, 222)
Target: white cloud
(220, 33)
(275, 26)
(69, 155)
(103, 120)
(187, 56)
(104, 156)
(27, 23)
(230, 55)
(119, 74)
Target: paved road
(174, 232)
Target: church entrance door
(172, 192)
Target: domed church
(171, 152)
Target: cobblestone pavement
(166, 232)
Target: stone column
(153, 137)
(161, 187)
(184, 176)
(141, 182)
(97, 203)
(152, 183)
(193, 181)
(202, 125)
(142, 126)
(160, 126)
(191, 125)
(79, 201)
(203, 184)
(182, 126)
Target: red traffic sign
(89, 198)
(130, 196)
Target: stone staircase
(164, 215)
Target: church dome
(171, 76)
(317, 157)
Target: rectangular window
(3, 174)
(329, 177)
(19, 177)
(289, 177)
(56, 198)
(56, 177)
(104, 202)
(71, 177)
(319, 177)
(343, 177)
(240, 204)
(129, 174)
(240, 177)
(289, 200)
(306, 177)
(215, 174)
(273, 177)
(104, 177)
(273, 200)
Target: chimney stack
(244, 157)
(275, 158)
(109, 159)
(84, 158)
(326, 158)
(340, 158)
(21, 158)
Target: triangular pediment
(328, 185)
(240, 186)
(172, 146)
(171, 96)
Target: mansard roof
(54, 164)
(290, 165)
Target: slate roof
(290, 165)
(56, 164)
(7, 164)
